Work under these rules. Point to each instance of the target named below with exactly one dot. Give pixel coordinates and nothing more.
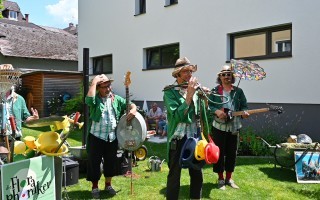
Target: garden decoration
(8, 78)
(247, 70)
(48, 143)
(284, 152)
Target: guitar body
(130, 137)
(131, 134)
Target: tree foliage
(1, 8)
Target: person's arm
(243, 104)
(177, 107)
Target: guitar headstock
(127, 80)
(278, 109)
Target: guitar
(231, 114)
(131, 134)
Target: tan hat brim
(177, 70)
(110, 80)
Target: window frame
(140, 7)
(160, 50)
(95, 59)
(15, 13)
(268, 42)
(170, 2)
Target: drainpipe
(85, 91)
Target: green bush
(250, 143)
(75, 104)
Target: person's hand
(131, 115)
(245, 115)
(99, 79)
(220, 114)
(34, 113)
(192, 87)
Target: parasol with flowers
(247, 70)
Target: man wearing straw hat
(181, 102)
(105, 110)
(225, 133)
(16, 106)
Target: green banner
(28, 179)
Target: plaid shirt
(105, 128)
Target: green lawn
(257, 178)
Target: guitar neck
(239, 113)
(127, 101)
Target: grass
(257, 178)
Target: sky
(53, 13)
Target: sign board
(307, 166)
(33, 178)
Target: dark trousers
(173, 179)
(228, 145)
(101, 149)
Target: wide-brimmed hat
(187, 158)
(106, 80)
(183, 63)
(225, 69)
(212, 152)
(199, 152)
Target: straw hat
(6, 67)
(183, 63)
(105, 80)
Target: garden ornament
(304, 139)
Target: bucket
(155, 163)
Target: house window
(270, 42)
(162, 56)
(13, 15)
(170, 2)
(102, 65)
(140, 7)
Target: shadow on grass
(279, 174)
(184, 191)
(312, 194)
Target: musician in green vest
(181, 102)
(106, 109)
(225, 131)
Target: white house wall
(201, 28)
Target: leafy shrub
(250, 143)
(75, 104)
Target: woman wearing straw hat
(225, 133)
(181, 102)
(105, 111)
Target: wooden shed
(39, 87)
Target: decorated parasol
(247, 70)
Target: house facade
(146, 37)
